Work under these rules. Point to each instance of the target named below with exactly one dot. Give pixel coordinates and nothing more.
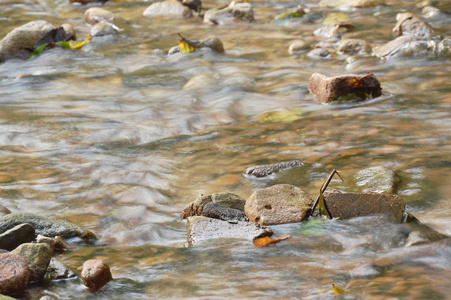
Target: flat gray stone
(203, 229)
(10, 239)
(351, 205)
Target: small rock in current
(410, 24)
(196, 207)
(58, 270)
(353, 46)
(236, 11)
(221, 212)
(265, 170)
(168, 8)
(95, 274)
(298, 47)
(96, 15)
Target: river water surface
(109, 138)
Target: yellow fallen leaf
(78, 45)
(337, 290)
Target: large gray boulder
(351, 205)
(19, 43)
(38, 256)
(278, 204)
(10, 239)
(168, 8)
(203, 229)
(46, 226)
(14, 273)
(234, 12)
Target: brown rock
(46, 240)
(95, 274)
(353, 46)
(410, 24)
(168, 8)
(278, 204)
(344, 87)
(96, 15)
(14, 273)
(350, 205)
(203, 229)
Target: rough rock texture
(10, 239)
(202, 229)
(265, 170)
(37, 256)
(221, 212)
(444, 47)
(405, 45)
(319, 53)
(377, 180)
(409, 24)
(196, 207)
(420, 233)
(350, 205)
(350, 3)
(353, 46)
(14, 273)
(328, 89)
(96, 15)
(58, 270)
(234, 12)
(103, 28)
(278, 204)
(46, 240)
(165, 8)
(334, 29)
(95, 274)
(19, 43)
(46, 226)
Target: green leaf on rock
(38, 51)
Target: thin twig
(324, 187)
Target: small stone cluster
(28, 243)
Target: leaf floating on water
(63, 44)
(186, 46)
(265, 241)
(38, 51)
(79, 45)
(337, 290)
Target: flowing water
(109, 138)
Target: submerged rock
(377, 180)
(95, 274)
(96, 15)
(104, 28)
(344, 87)
(4, 211)
(319, 53)
(298, 47)
(20, 42)
(410, 24)
(278, 204)
(353, 46)
(265, 170)
(421, 233)
(351, 205)
(46, 226)
(229, 200)
(58, 270)
(14, 273)
(168, 8)
(10, 239)
(405, 45)
(221, 212)
(334, 29)
(38, 256)
(236, 11)
(350, 3)
(444, 47)
(203, 229)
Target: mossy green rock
(46, 226)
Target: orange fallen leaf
(265, 241)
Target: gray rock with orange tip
(95, 274)
(278, 204)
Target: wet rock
(353, 47)
(95, 274)
(14, 273)
(70, 31)
(420, 233)
(377, 180)
(221, 212)
(168, 8)
(61, 244)
(444, 47)
(46, 226)
(202, 229)
(350, 3)
(405, 45)
(201, 81)
(265, 170)
(351, 205)
(104, 28)
(213, 43)
(96, 15)
(58, 270)
(195, 5)
(20, 42)
(4, 211)
(298, 47)
(319, 53)
(334, 29)
(37, 256)
(278, 204)
(236, 11)
(344, 87)
(229, 200)
(10, 239)
(410, 24)
(46, 240)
